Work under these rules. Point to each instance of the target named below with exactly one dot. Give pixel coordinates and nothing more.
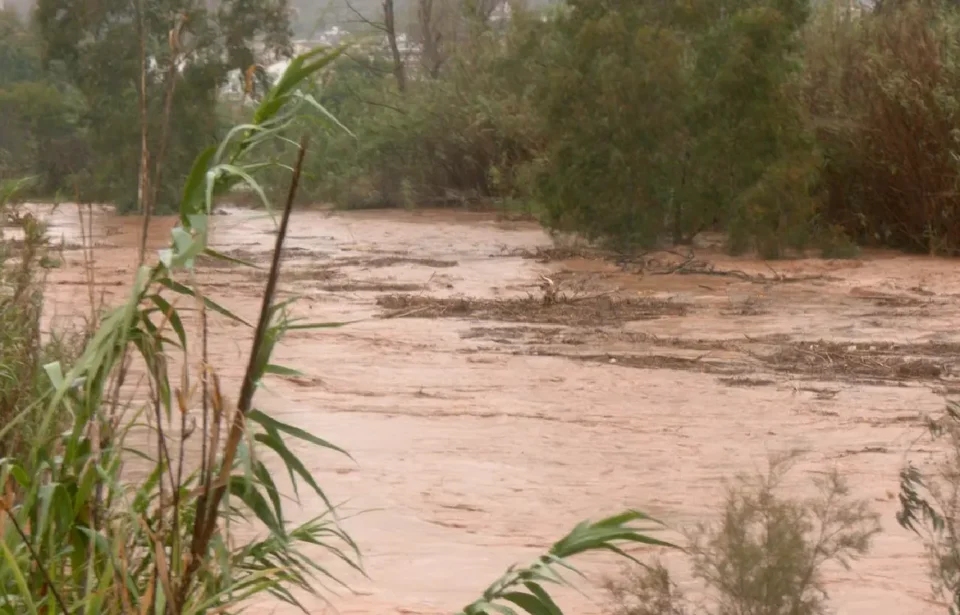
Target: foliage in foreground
(930, 507)
(765, 556)
(25, 257)
(109, 515)
(523, 587)
(91, 528)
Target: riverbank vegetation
(783, 123)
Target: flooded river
(485, 422)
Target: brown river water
(484, 429)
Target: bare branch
(364, 19)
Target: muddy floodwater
(486, 420)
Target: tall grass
(25, 257)
(82, 532)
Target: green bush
(95, 49)
(930, 505)
(765, 556)
(613, 98)
(19, 51)
(669, 120)
(39, 135)
(882, 93)
(461, 138)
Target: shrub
(669, 121)
(613, 96)
(646, 591)
(881, 89)
(930, 507)
(766, 554)
(39, 135)
(461, 138)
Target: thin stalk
(183, 402)
(87, 248)
(165, 131)
(210, 503)
(176, 546)
(36, 559)
(205, 391)
(143, 188)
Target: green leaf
(544, 597)
(236, 261)
(273, 440)
(236, 171)
(145, 494)
(49, 495)
(528, 602)
(193, 188)
(248, 493)
(280, 370)
(172, 316)
(263, 475)
(252, 130)
(12, 565)
(16, 471)
(268, 108)
(86, 486)
(316, 105)
(298, 70)
(499, 608)
(54, 373)
(271, 424)
(186, 247)
(177, 287)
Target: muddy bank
(496, 391)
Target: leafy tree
(613, 97)
(38, 134)
(19, 54)
(96, 42)
(673, 118)
(38, 113)
(755, 165)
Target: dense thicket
(70, 88)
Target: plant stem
(165, 130)
(210, 502)
(36, 559)
(143, 196)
